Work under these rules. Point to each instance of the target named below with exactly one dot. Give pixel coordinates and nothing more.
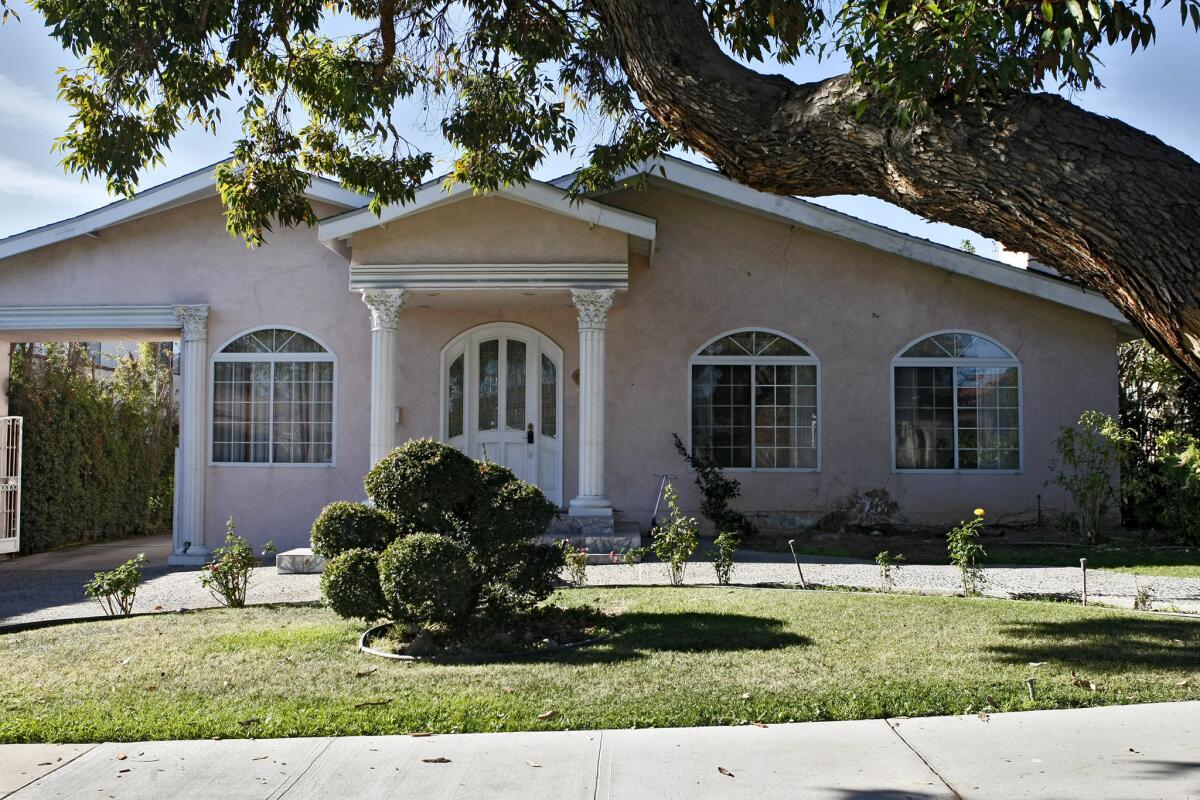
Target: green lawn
(681, 657)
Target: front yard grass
(694, 656)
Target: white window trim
(809, 360)
(949, 361)
(219, 357)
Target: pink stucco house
(812, 354)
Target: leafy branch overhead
(939, 111)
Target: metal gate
(10, 484)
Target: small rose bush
(445, 542)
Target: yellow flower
(979, 512)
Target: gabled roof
(689, 178)
(539, 194)
(185, 189)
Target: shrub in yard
(888, 565)
(722, 556)
(350, 585)
(966, 553)
(716, 491)
(1087, 457)
(227, 576)
(427, 579)
(1164, 490)
(576, 560)
(344, 526)
(675, 540)
(115, 590)
(482, 559)
(425, 485)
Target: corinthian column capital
(194, 320)
(592, 305)
(385, 305)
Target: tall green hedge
(98, 455)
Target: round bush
(506, 520)
(422, 483)
(350, 585)
(427, 579)
(344, 526)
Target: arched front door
(502, 400)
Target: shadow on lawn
(1105, 642)
(640, 634)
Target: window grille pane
(785, 416)
(454, 402)
(489, 385)
(989, 435)
(514, 396)
(549, 398)
(721, 414)
(924, 417)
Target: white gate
(10, 484)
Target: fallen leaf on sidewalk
(547, 715)
(259, 758)
(127, 769)
(438, 760)
(982, 716)
(120, 756)
(759, 724)
(533, 764)
(724, 771)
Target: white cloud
(23, 181)
(24, 107)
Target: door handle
(529, 433)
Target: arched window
(755, 402)
(957, 404)
(273, 400)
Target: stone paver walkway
(37, 593)
(1113, 753)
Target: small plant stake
(796, 558)
(1029, 686)
(1083, 569)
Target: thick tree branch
(1105, 203)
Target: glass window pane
(489, 385)
(924, 419)
(514, 397)
(721, 426)
(454, 397)
(549, 398)
(753, 343)
(988, 418)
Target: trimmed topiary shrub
(344, 526)
(350, 585)
(427, 579)
(422, 484)
(466, 529)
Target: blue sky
(1155, 90)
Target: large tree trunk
(1104, 203)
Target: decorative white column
(385, 305)
(190, 546)
(592, 305)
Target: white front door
(502, 400)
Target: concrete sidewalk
(1122, 752)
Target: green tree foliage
(99, 456)
(511, 80)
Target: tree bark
(1104, 203)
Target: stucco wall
(488, 230)
(184, 255)
(714, 269)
